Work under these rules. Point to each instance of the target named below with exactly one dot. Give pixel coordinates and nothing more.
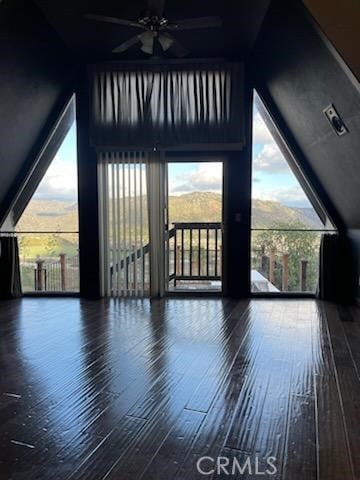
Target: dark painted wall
(298, 75)
(341, 26)
(35, 80)
(89, 244)
(301, 76)
(237, 209)
(354, 236)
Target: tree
(24, 246)
(295, 239)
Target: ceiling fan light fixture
(163, 22)
(155, 24)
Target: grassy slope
(50, 216)
(43, 215)
(205, 206)
(197, 207)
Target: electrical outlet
(335, 120)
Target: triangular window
(287, 218)
(47, 228)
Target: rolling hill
(46, 215)
(43, 215)
(206, 207)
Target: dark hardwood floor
(142, 390)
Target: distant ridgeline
(49, 215)
(190, 207)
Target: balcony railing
(285, 260)
(195, 254)
(130, 276)
(49, 261)
(282, 260)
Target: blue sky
(60, 181)
(272, 178)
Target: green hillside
(195, 207)
(42, 215)
(45, 215)
(266, 213)
(206, 207)
(56, 216)
(48, 216)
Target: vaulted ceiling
(299, 76)
(341, 26)
(292, 64)
(92, 40)
(35, 76)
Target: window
(287, 219)
(48, 227)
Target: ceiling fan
(156, 28)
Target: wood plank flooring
(136, 389)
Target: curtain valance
(167, 105)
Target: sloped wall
(35, 76)
(354, 236)
(299, 75)
(341, 23)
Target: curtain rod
(160, 63)
(172, 61)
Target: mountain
(311, 216)
(49, 215)
(195, 207)
(266, 213)
(190, 207)
(206, 207)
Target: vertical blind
(124, 223)
(166, 105)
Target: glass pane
(195, 232)
(49, 242)
(286, 229)
(125, 231)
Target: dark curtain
(10, 281)
(172, 105)
(336, 281)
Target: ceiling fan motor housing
(153, 22)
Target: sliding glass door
(124, 224)
(161, 224)
(194, 220)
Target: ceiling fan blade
(178, 50)
(147, 39)
(117, 21)
(128, 44)
(190, 23)
(166, 41)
